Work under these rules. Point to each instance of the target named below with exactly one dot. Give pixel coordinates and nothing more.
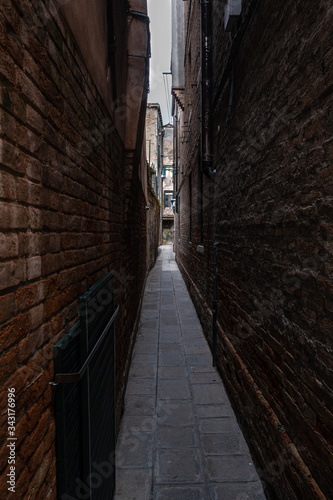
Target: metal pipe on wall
(216, 244)
(206, 83)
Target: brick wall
(153, 226)
(69, 212)
(270, 207)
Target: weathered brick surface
(270, 208)
(153, 226)
(68, 213)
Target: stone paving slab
(176, 413)
(199, 359)
(171, 358)
(172, 372)
(231, 468)
(146, 347)
(137, 423)
(223, 425)
(180, 492)
(234, 491)
(228, 444)
(135, 450)
(143, 371)
(206, 393)
(171, 346)
(205, 378)
(143, 358)
(174, 389)
(179, 438)
(215, 411)
(178, 466)
(133, 484)
(140, 405)
(197, 348)
(141, 386)
(173, 337)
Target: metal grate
(84, 363)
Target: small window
(167, 199)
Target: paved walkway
(179, 438)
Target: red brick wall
(270, 208)
(66, 217)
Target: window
(167, 172)
(167, 199)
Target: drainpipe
(175, 156)
(216, 244)
(206, 83)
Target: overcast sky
(159, 12)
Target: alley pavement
(179, 438)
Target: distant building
(154, 145)
(167, 198)
(159, 151)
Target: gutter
(142, 112)
(134, 13)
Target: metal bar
(138, 14)
(71, 378)
(138, 55)
(61, 434)
(216, 244)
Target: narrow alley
(179, 437)
(166, 197)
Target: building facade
(159, 151)
(154, 145)
(252, 101)
(74, 80)
(167, 198)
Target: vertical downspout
(216, 244)
(206, 84)
(175, 124)
(175, 156)
(175, 177)
(206, 136)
